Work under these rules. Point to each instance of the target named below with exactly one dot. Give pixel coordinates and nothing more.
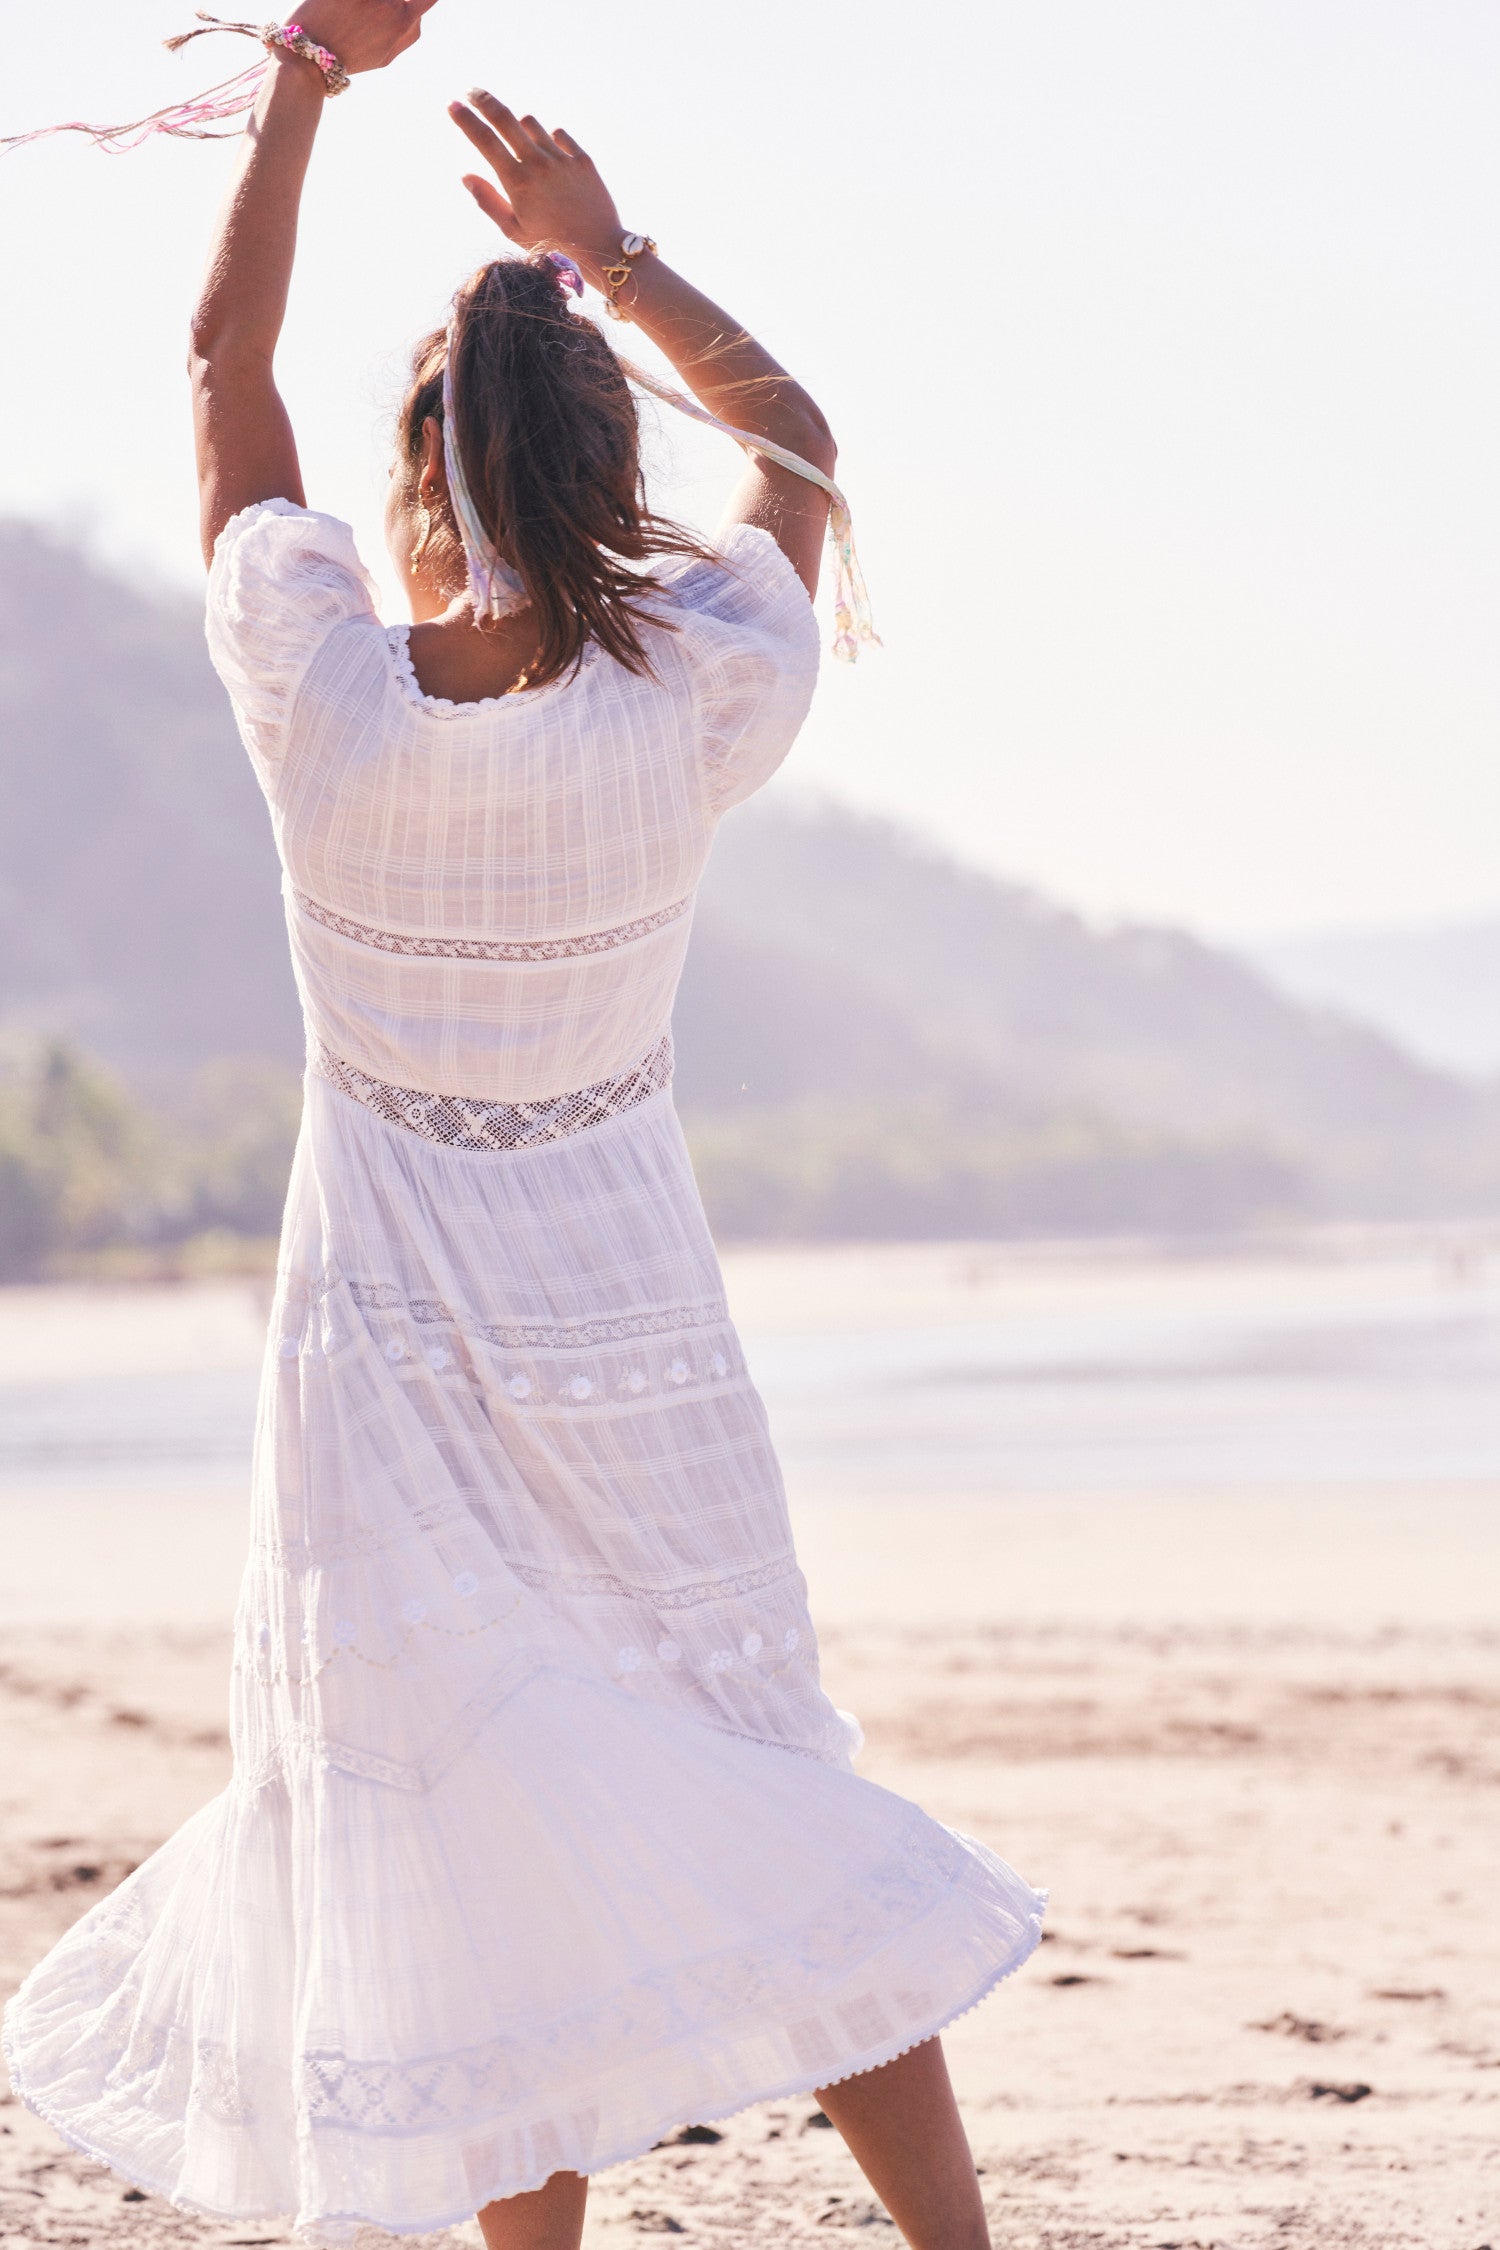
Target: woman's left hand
(364, 34)
(554, 198)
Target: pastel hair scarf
(497, 589)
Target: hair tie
(567, 272)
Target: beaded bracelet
(295, 40)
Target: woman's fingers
(504, 121)
(494, 206)
(539, 136)
(488, 143)
(570, 147)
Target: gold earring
(423, 535)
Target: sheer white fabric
(579, 809)
(541, 1838)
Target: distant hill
(1435, 990)
(871, 1037)
(139, 895)
(1150, 1028)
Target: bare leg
(549, 2219)
(903, 2129)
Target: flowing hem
(342, 2227)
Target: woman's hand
(364, 34)
(554, 199)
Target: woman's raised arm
(246, 450)
(553, 198)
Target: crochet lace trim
(493, 949)
(550, 1335)
(455, 1121)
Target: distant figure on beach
(543, 1838)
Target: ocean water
(1144, 1400)
(1090, 1378)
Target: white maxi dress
(542, 1838)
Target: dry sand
(1249, 1741)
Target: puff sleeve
(281, 580)
(753, 643)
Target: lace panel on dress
(458, 1122)
(559, 1335)
(493, 949)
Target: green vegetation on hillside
(864, 1171)
(88, 1171)
(94, 1180)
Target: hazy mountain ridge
(871, 1037)
(139, 908)
(1434, 990)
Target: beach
(1170, 1578)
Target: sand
(1248, 1738)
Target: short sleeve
(282, 578)
(752, 642)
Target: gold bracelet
(632, 246)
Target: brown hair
(550, 445)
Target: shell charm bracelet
(616, 277)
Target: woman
(542, 1838)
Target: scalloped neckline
(398, 641)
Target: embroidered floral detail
(719, 1364)
(519, 1386)
(669, 1652)
(395, 1350)
(413, 1611)
(751, 1646)
(436, 1358)
(679, 1371)
(791, 1640)
(634, 1382)
(580, 1387)
(721, 1660)
(456, 1121)
(465, 1584)
(629, 1660)
(494, 949)
(344, 1633)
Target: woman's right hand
(553, 196)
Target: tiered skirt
(542, 1838)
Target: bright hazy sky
(1162, 341)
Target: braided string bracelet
(194, 120)
(295, 40)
